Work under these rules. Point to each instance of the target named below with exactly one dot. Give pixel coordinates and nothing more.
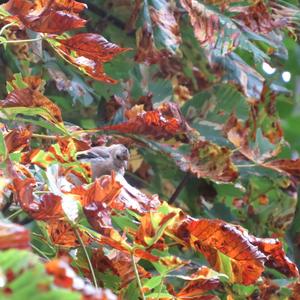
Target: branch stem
(87, 257)
(137, 276)
(179, 188)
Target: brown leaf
(30, 98)
(211, 236)
(163, 17)
(88, 51)
(47, 207)
(206, 23)
(13, 236)
(208, 160)
(289, 166)
(65, 277)
(17, 139)
(276, 258)
(61, 233)
(48, 16)
(165, 122)
(258, 18)
(118, 263)
(201, 282)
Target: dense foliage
(208, 206)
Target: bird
(105, 159)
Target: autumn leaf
(17, 139)
(65, 277)
(165, 122)
(287, 166)
(199, 283)
(208, 160)
(34, 99)
(211, 236)
(47, 16)
(13, 236)
(88, 52)
(118, 263)
(47, 207)
(258, 18)
(276, 258)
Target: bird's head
(120, 155)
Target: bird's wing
(86, 155)
(94, 153)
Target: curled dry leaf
(208, 160)
(165, 122)
(88, 52)
(276, 257)
(152, 228)
(163, 17)
(30, 98)
(47, 16)
(118, 263)
(13, 236)
(289, 166)
(46, 207)
(62, 233)
(199, 283)
(211, 236)
(17, 139)
(258, 18)
(247, 253)
(65, 277)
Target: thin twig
(179, 188)
(44, 136)
(87, 257)
(39, 252)
(137, 276)
(21, 41)
(13, 215)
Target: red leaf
(276, 257)
(13, 236)
(88, 51)
(17, 139)
(164, 122)
(30, 98)
(65, 277)
(289, 166)
(46, 208)
(48, 16)
(62, 234)
(118, 263)
(200, 282)
(210, 236)
(208, 160)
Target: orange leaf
(289, 166)
(29, 98)
(13, 236)
(46, 208)
(210, 236)
(119, 263)
(48, 16)
(164, 122)
(258, 18)
(65, 277)
(88, 51)
(276, 257)
(200, 282)
(17, 139)
(62, 234)
(208, 160)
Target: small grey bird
(104, 159)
